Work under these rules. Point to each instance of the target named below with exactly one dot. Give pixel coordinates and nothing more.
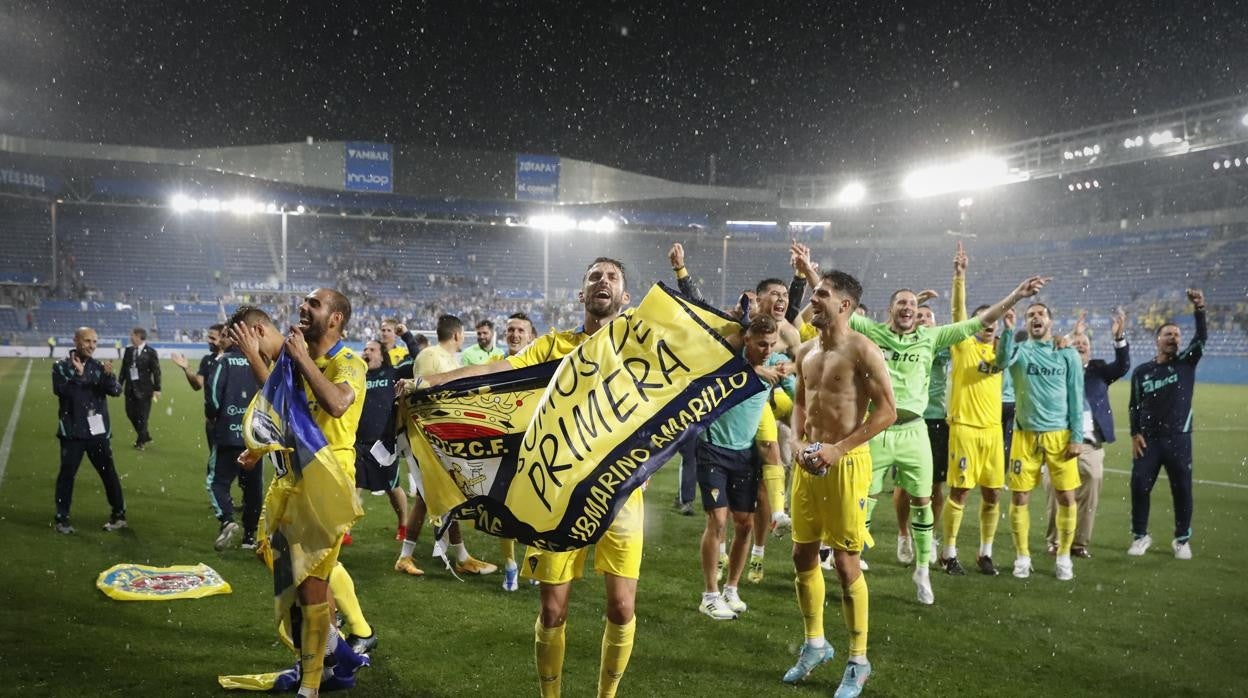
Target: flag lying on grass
(548, 454)
(311, 501)
(131, 582)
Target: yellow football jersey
(340, 365)
(398, 354)
(975, 385)
(435, 359)
(554, 345)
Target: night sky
(766, 87)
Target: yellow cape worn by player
(310, 503)
(548, 454)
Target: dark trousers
(1174, 453)
(1007, 432)
(225, 469)
(688, 469)
(137, 411)
(101, 455)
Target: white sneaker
(1182, 549)
(862, 564)
(1065, 568)
(227, 536)
(905, 550)
(923, 586)
(826, 561)
(734, 602)
(780, 522)
(717, 609)
(1022, 567)
(1139, 546)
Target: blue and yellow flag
(311, 502)
(548, 454)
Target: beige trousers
(1091, 473)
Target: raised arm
(1197, 297)
(1028, 288)
(1005, 342)
(957, 299)
(688, 287)
(1122, 351)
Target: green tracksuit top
(909, 357)
(1048, 384)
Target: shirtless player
(844, 397)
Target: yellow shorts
(1032, 449)
(832, 508)
(781, 403)
(617, 552)
(975, 456)
(767, 430)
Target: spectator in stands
(83, 386)
(1161, 430)
(1098, 430)
(140, 378)
(484, 351)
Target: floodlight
(1244, 120)
(602, 225)
(1217, 165)
(209, 205)
(552, 223)
(270, 207)
(977, 172)
(300, 209)
(182, 203)
(851, 194)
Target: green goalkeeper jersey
(909, 357)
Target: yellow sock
(617, 647)
(773, 479)
(343, 588)
(549, 645)
(854, 602)
(1020, 527)
(988, 516)
(313, 636)
(951, 521)
(810, 600)
(507, 547)
(1067, 520)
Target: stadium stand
(150, 266)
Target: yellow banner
(548, 454)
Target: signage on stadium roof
(30, 180)
(537, 178)
(369, 167)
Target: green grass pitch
(1125, 626)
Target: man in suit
(1098, 430)
(140, 379)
